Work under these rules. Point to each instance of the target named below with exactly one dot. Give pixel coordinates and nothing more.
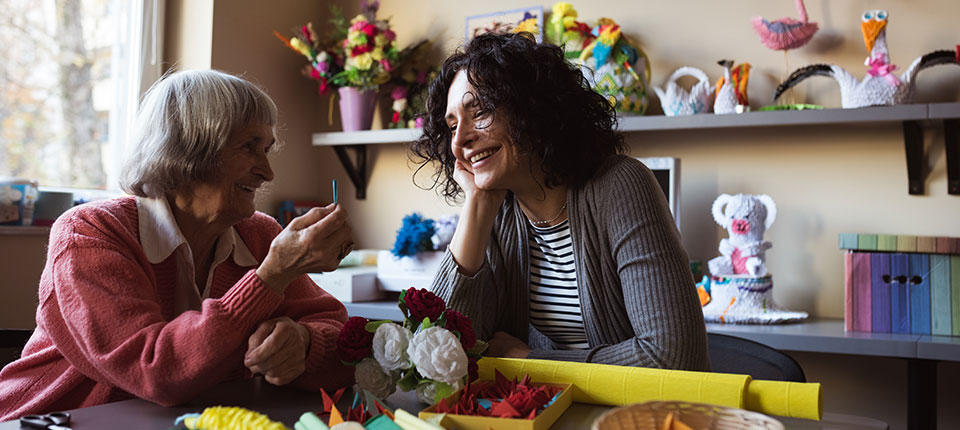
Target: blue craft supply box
(17, 198)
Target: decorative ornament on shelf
(677, 101)
(785, 34)
(881, 86)
(731, 89)
(410, 79)
(432, 351)
(616, 68)
(565, 31)
(740, 289)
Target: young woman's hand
(505, 345)
(313, 242)
(480, 208)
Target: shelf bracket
(357, 172)
(913, 141)
(951, 137)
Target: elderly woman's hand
(313, 242)
(278, 350)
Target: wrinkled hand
(313, 242)
(505, 345)
(278, 350)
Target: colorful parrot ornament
(731, 89)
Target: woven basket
(651, 415)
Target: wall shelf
(909, 115)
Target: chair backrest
(731, 354)
(12, 341)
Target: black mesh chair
(731, 354)
(12, 341)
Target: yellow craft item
(407, 421)
(335, 417)
(603, 384)
(788, 399)
(673, 423)
(232, 418)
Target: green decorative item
(616, 68)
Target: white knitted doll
(746, 218)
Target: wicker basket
(651, 415)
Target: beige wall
(825, 179)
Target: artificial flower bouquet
(360, 53)
(432, 351)
(410, 80)
(417, 252)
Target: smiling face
(480, 140)
(228, 195)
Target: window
(71, 72)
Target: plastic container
(17, 199)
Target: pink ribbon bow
(880, 67)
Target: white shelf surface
(908, 112)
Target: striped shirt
(554, 300)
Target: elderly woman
(565, 248)
(184, 285)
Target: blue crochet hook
(335, 192)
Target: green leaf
(478, 349)
(426, 323)
(443, 390)
(409, 381)
(372, 326)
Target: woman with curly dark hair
(565, 247)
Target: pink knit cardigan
(106, 328)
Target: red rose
(355, 342)
(360, 50)
(424, 304)
(461, 324)
(370, 30)
(473, 369)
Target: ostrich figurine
(881, 86)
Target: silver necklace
(545, 222)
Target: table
(287, 404)
(817, 335)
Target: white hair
(183, 123)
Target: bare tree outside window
(56, 92)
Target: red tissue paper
(501, 398)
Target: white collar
(160, 235)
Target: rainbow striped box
(901, 283)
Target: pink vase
(356, 108)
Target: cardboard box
(400, 273)
(542, 421)
(350, 284)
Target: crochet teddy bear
(746, 218)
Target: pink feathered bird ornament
(786, 33)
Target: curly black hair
(551, 111)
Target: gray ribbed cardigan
(637, 295)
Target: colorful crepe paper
(603, 384)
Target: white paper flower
(371, 377)
(390, 346)
(438, 355)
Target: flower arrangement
(432, 351)
(359, 53)
(369, 50)
(410, 86)
(419, 234)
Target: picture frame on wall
(503, 21)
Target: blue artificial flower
(414, 236)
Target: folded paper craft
(604, 384)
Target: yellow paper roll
(603, 384)
(789, 399)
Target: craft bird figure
(881, 86)
(786, 33)
(731, 89)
